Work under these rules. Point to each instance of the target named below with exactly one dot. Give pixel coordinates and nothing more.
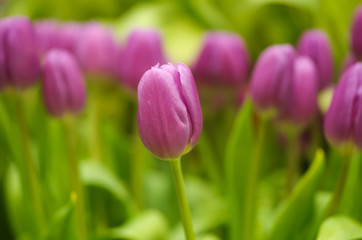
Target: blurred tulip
(19, 59)
(63, 84)
(270, 81)
(315, 44)
(169, 112)
(343, 121)
(223, 60)
(96, 50)
(286, 83)
(349, 61)
(47, 35)
(143, 50)
(356, 32)
(69, 35)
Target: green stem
(181, 198)
(77, 193)
(30, 168)
(338, 192)
(292, 162)
(252, 180)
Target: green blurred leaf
(340, 228)
(298, 210)
(61, 223)
(239, 152)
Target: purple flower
(143, 50)
(349, 61)
(315, 44)
(356, 32)
(96, 50)
(169, 112)
(343, 121)
(223, 60)
(285, 83)
(63, 84)
(47, 35)
(19, 60)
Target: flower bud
(223, 60)
(63, 84)
(285, 83)
(3, 68)
(68, 35)
(349, 61)
(270, 81)
(96, 50)
(169, 112)
(143, 50)
(315, 44)
(356, 32)
(20, 60)
(47, 35)
(343, 121)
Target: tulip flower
(169, 112)
(315, 44)
(343, 121)
(223, 60)
(349, 61)
(96, 50)
(143, 50)
(63, 84)
(69, 35)
(47, 35)
(19, 59)
(356, 32)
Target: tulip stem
(30, 168)
(292, 162)
(181, 198)
(338, 192)
(252, 180)
(77, 193)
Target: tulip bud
(343, 121)
(169, 112)
(315, 44)
(349, 61)
(47, 35)
(63, 84)
(356, 32)
(69, 35)
(96, 50)
(143, 50)
(3, 68)
(20, 61)
(223, 60)
(270, 81)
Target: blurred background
(111, 208)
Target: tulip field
(172, 120)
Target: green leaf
(61, 225)
(340, 228)
(239, 151)
(298, 210)
(95, 174)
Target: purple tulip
(343, 121)
(356, 32)
(223, 60)
(143, 50)
(303, 93)
(47, 35)
(169, 112)
(68, 36)
(315, 44)
(270, 81)
(349, 61)
(63, 84)
(96, 50)
(19, 59)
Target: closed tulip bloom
(96, 50)
(315, 44)
(20, 52)
(223, 60)
(69, 35)
(349, 61)
(303, 92)
(343, 121)
(63, 84)
(3, 74)
(356, 32)
(270, 81)
(169, 112)
(143, 50)
(47, 35)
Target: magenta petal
(162, 115)
(356, 32)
